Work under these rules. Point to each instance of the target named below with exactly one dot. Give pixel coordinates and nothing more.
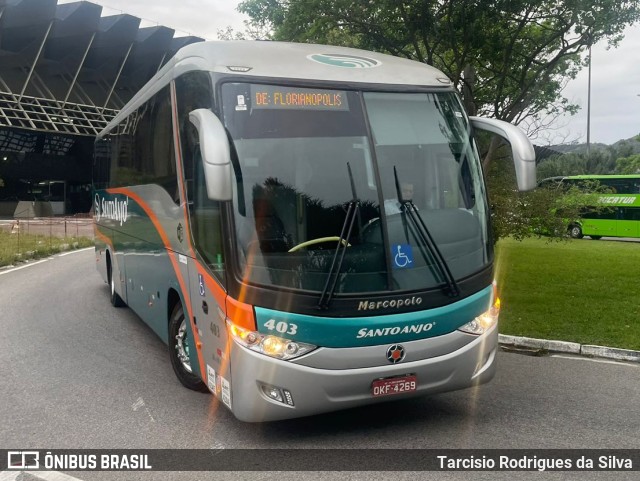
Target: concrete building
(65, 71)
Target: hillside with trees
(623, 157)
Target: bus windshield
(302, 156)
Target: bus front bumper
(314, 391)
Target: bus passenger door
(193, 90)
(207, 301)
(628, 222)
(206, 273)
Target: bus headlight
(486, 320)
(272, 346)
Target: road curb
(570, 348)
(611, 353)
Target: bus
(242, 206)
(620, 198)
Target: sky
(615, 83)
(202, 18)
(615, 94)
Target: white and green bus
(305, 226)
(615, 211)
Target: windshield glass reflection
(290, 149)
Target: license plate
(394, 385)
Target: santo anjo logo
(116, 209)
(347, 61)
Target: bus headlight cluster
(272, 346)
(486, 320)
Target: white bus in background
(305, 226)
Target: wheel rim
(113, 285)
(182, 346)
(576, 231)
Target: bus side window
(627, 213)
(193, 91)
(143, 148)
(205, 214)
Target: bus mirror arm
(524, 156)
(216, 157)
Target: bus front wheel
(179, 349)
(576, 232)
(116, 300)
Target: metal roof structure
(66, 69)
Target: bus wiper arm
(423, 232)
(353, 212)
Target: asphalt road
(78, 373)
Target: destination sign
(291, 98)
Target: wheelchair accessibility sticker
(402, 256)
(201, 283)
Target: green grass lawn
(582, 291)
(14, 248)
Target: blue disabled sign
(402, 256)
(201, 283)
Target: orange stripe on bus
(172, 256)
(241, 314)
(101, 236)
(237, 311)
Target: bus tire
(179, 351)
(116, 300)
(575, 231)
(596, 237)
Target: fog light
(273, 393)
(288, 397)
(277, 394)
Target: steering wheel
(370, 226)
(319, 240)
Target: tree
(252, 31)
(613, 159)
(520, 53)
(628, 165)
(561, 165)
(548, 211)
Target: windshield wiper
(425, 236)
(353, 212)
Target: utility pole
(589, 105)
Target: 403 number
(281, 326)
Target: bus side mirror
(524, 157)
(216, 157)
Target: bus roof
(312, 62)
(560, 178)
(595, 177)
(282, 60)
